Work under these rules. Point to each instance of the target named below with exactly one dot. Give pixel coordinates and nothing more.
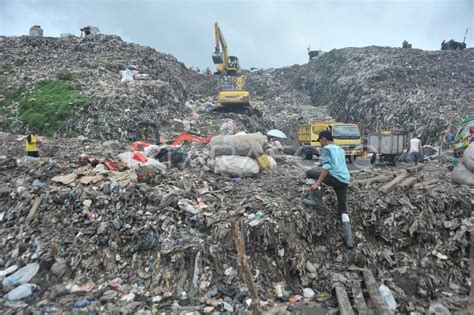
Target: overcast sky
(261, 33)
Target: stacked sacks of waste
(240, 154)
(463, 173)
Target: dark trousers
(416, 157)
(32, 153)
(339, 187)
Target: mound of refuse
(83, 230)
(379, 88)
(426, 92)
(125, 83)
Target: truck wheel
(308, 156)
(373, 158)
(394, 160)
(247, 111)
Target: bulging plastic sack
(235, 165)
(250, 145)
(468, 157)
(462, 175)
(127, 75)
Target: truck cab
(347, 136)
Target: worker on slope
(31, 144)
(335, 174)
(415, 150)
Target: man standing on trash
(335, 174)
(30, 145)
(415, 150)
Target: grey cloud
(262, 33)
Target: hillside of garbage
(98, 225)
(85, 228)
(379, 88)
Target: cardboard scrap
(65, 179)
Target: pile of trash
(125, 82)
(382, 88)
(81, 231)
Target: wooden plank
(471, 267)
(245, 269)
(414, 169)
(374, 293)
(358, 297)
(388, 187)
(371, 180)
(345, 307)
(34, 208)
(407, 183)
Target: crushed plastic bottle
(388, 298)
(20, 292)
(22, 276)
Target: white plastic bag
(244, 145)
(462, 175)
(468, 157)
(127, 75)
(127, 158)
(236, 165)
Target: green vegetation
(47, 106)
(19, 62)
(65, 75)
(7, 67)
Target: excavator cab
(234, 62)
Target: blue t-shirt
(334, 161)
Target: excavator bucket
(217, 58)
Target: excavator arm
(220, 57)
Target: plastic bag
(249, 145)
(228, 128)
(236, 165)
(468, 157)
(462, 175)
(127, 158)
(127, 76)
(22, 275)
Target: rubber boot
(315, 199)
(346, 227)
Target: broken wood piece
(345, 307)
(388, 187)
(426, 185)
(64, 179)
(471, 267)
(86, 180)
(245, 269)
(407, 183)
(359, 300)
(34, 208)
(377, 179)
(374, 293)
(415, 168)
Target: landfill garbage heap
(77, 235)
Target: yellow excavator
(228, 65)
(236, 99)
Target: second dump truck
(347, 136)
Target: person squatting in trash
(334, 173)
(31, 144)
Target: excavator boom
(225, 64)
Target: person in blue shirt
(335, 174)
